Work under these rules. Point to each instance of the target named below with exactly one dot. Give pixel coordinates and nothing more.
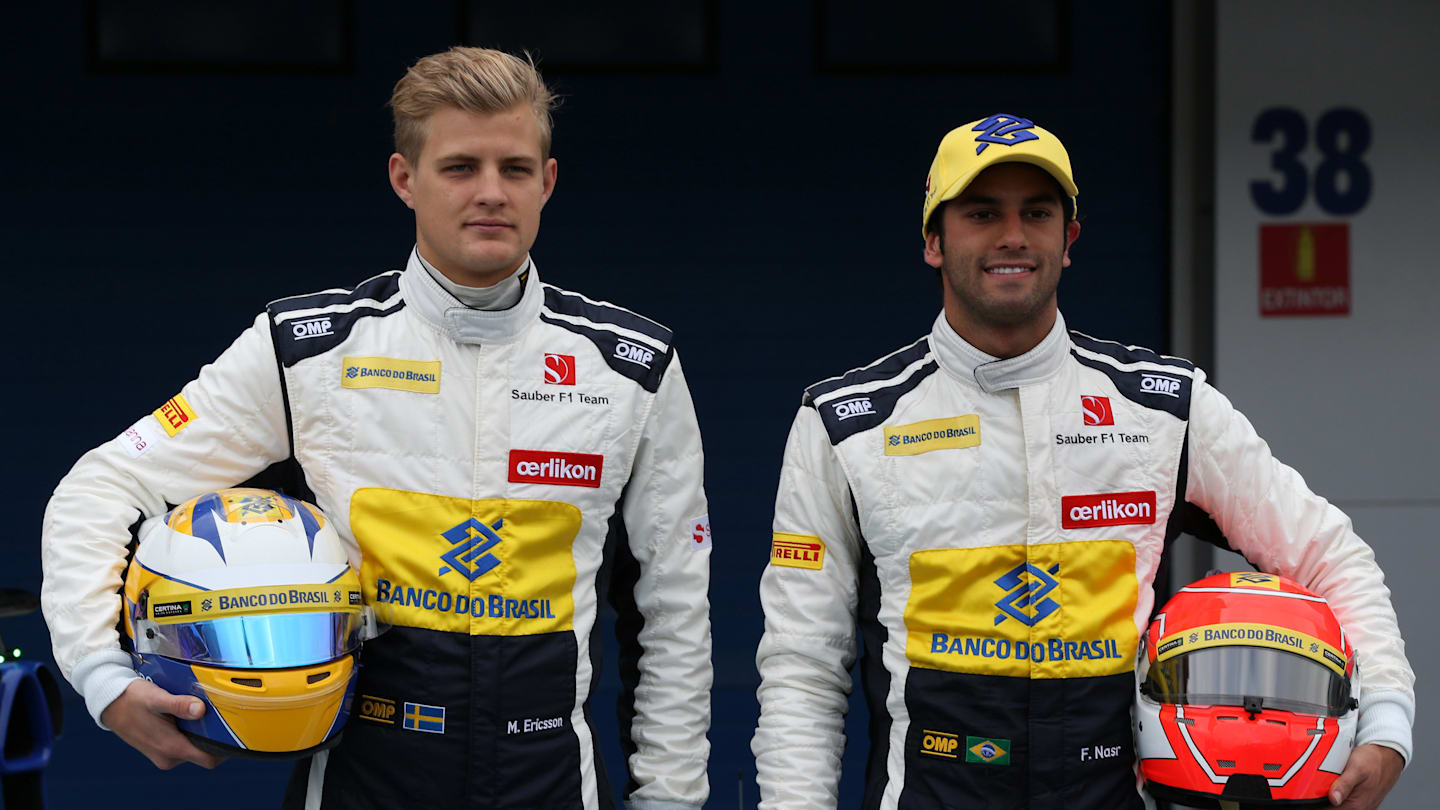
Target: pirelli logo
(175, 415)
(797, 551)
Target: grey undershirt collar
(494, 298)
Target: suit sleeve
(668, 527)
(809, 643)
(233, 428)
(1270, 515)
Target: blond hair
(476, 80)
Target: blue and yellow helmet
(245, 598)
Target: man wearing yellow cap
(989, 506)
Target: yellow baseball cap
(970, 149)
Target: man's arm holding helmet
(805, 656)
(664, 507)
(1268, 513)
(231, 425)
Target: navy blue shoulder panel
(883, 369)
(638, 361)
(1127, 354)
(578, 306)
(327, 320)
(1152, 389)
(848, 414)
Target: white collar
(465, 325)
(968, 364)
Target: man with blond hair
(425, 411)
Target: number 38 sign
(1305, 268)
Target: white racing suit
(562, 426)
(994, 528)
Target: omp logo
(853, 407)
(559, 369)
(469, 553)
(1006, 130)
(1160, 384)
(1096, 410)
(312, 328)
(1107, 509)
(561, 469)
(1027, 593)
(381, 710)
(939, 743)
(633, 353)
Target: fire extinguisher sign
(1305, 267)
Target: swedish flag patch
(420, 717)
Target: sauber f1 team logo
(559, 369)
(1096, 410)
(1107, 509)
(553, 467)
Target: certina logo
(312, 328)
(1096, 410)
(559, 369)
(1107, 509)
(633, 353)
(1027, 587)
(469, 553)
(853, 407)
(163, 610)
(560, 469)
(1160, 384)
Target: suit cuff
(1386, 719)
(100, 677)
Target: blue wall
(766, 212)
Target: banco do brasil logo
(469, 553)
(352, 372)
(1006, 130)
(1029, 587)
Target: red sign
(1305, 269)
(551, 467)
(1107, 509)
(559, 369)
(1096, 410)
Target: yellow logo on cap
(950, 433)
(421, 377)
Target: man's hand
(141, 716)
(1369, 774)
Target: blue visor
(271, 641)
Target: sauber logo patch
(1107, 509)
(175, 415)
(700, 531)
(797, 551)
(933, 434)
(551, 467)
(559, 369)
(1096, 410)
(418, 376)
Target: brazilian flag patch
(987, 750)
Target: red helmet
(1245, 693)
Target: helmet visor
(269, 641)
(1225, 676)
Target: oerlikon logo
(1096, 410)
(551, 467)
(1107, 509)
(559, 369)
